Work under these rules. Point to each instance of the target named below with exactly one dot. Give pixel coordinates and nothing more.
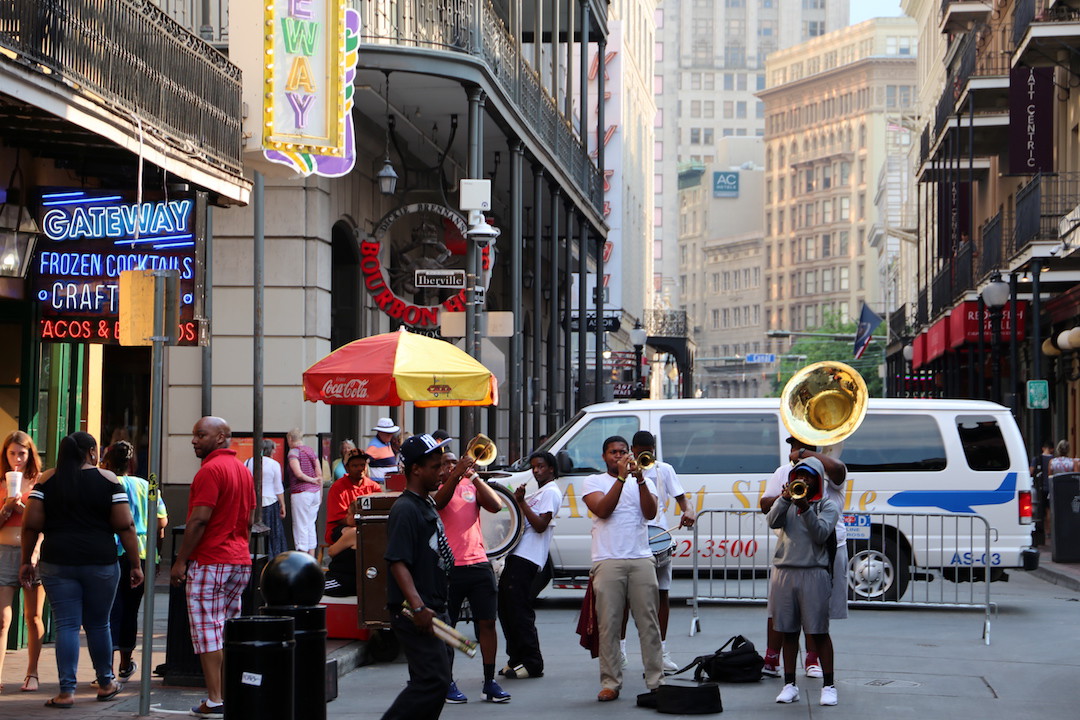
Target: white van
(909, 455)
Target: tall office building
(828, 106)
(710, 62)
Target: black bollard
(258, 673)
(309, 671)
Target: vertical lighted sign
(310, 55)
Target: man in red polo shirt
(214, 559)
(341, 524)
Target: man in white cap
(383, 457)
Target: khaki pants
(614, 582)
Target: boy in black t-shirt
(419, 557)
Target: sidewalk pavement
(163, 699)
(167, 700)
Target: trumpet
(798, 489)
(645, 460)
(482, 449)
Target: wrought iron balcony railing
(1040, 205)
(1026, 12)
(475, 28)
(963, 266)
(994, 234)
(922, 310)
(667, 323)
(898, 322)
(941, 289)
(209, 19)
(137, 61)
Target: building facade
(721, 253)
(710, 65)
(998, 192)
(827, 107)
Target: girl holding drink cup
(20, 467)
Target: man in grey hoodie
(801, 583)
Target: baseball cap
(418, 446)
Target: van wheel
(878, 569)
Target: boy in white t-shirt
(516, 613)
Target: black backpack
(740, 664)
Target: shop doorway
(125, 400)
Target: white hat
(385, 425)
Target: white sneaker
(828, 695)
(813, 671)
(772, 671)
(622, 660)
(790, 694)
(669, 664)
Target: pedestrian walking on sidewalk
(78, 507)
(124, 619)
(20, 467)
(214, 560)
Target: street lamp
(909, 354)
(994, 296)
(638, 337)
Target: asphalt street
(912, 663)
(915, 663)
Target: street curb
(349, 657)
(1056, 577)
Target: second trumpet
(798, 489)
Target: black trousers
(429, 673)
(517, 615)
(124, 618)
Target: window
(729, 81)
(740, 81)
(695, 136)
(844, 235)
(811, 282)
(984, 447)
(827, 280)
(695, 81)
(729, 109)
(761, 81)
(813, 4)
(845, 209)
(710, 79)
(715, 319)
(844, 280)
(760, 110)
(827, 214)
(895, 443)
(862, 274)
(695, 108)
(586, 448)
(734, 56)
(709, 109)
(826, 241)
(726, 322)
(813, 28)
(740, 110)
(750, 442)
(707, 136)
(845, 173)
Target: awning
(937, 339)
(964, 323)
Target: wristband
(420, 609)
(622, 479)
(641, 481)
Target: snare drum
(661, 543)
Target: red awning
(918, 358)
(964, 323)
(937, 339)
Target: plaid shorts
(213, 596)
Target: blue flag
(868, 322)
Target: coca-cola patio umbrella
(398, 367)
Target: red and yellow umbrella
(393, 368)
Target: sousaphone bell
(823, 403)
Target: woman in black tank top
(78, 507)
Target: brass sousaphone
(823, 403)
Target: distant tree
(817, 349)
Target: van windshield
(549, 441)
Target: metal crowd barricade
(925, 560)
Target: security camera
(480, 231)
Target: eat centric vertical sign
(1031, 120)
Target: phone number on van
(717, 548)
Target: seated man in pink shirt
(458, 501)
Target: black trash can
(309, 668)
(258, 673)
(1065, 514)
